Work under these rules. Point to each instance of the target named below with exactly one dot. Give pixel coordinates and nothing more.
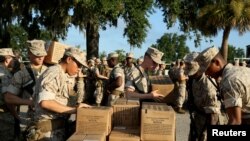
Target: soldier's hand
(30, 103)
(84, 105)
(155, 94)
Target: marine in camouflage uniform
(129, 66)
(204, 104)
(99, 82)
(181, 95)
(139, 61)
(234, 85)
(76, 87)
(161, 70)
(6, 118)
(52, 95)
(105, 70)
(138, 84)
(116, 79)
(21, 89)
(173, 75)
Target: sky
(112, 38)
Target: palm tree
(224, 15)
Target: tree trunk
(4, 36)
(224, 45)
(92, 33)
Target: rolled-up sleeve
(45, 95)
(12, 89)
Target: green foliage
(102, 54)
(135, 15)
(52, 18)
(173, 46)
(122, 55)
(208, 16)
(234, 52)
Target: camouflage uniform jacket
(139, 81)
(235, 87)
(173, 73)
(205, 95)
(52, 85)
(128, 71)
(117, 71)
(5, 79)
(22, 78)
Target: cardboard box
(158, 122)
(126, 112)
(87, 137)
(94, 120)
(55, 52)
(76, 137)
(163, 84)
(126, 134)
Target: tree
(234, 52)
(208, 16)
(91, 15)
(102, 54)
(226, 15)
(88, 15)
(185, 13)
(173, 46)
(122, 55)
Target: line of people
(217, 91)
(54, 92)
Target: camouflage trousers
(36, 135)
(112, 99)
(181, 96)
(114, 96)
(7, 127)
(201, 121)
(99, 94)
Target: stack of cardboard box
(125, 134)
(126, 120)
(94, 123)
(131, 122)
(157, 122)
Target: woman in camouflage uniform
(52, 95)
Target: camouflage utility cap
(104, 58)
(37, 47)
(193, 66)
(76, 53)
(140, 59)
(112, 55)
(91, 61)
(205, 57)
(130, 55)
(6, 52)
(155, 54)
(97, 60)
(93, 57)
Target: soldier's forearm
(56, 107)
(13, 99)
